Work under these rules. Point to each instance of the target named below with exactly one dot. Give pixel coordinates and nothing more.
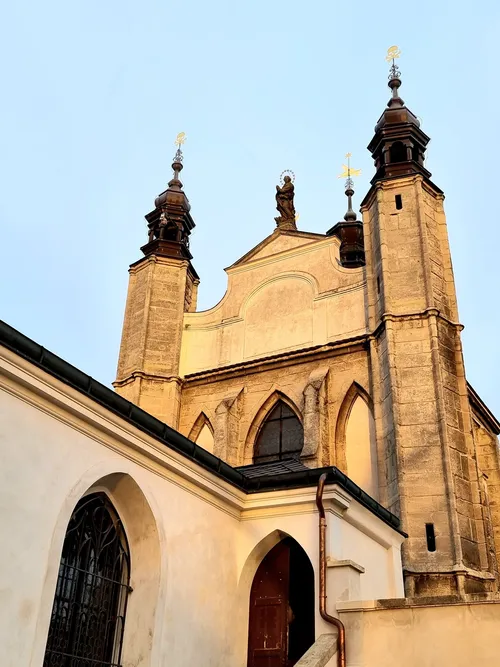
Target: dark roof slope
(242, 478)
(272, 468)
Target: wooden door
(268, 625)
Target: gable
(279, 241)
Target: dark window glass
(281, 436)
(86, 626)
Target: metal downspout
(322, 575)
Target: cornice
(418, 315)
(142, 375)
(395, 183)
(346, 346)
(334, 348)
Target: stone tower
(420, 393)
(162, 287)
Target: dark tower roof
(170, 223)
(398, 146)
(350, 230)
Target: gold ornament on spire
(179, 141)
(393, 53)
(348, 173)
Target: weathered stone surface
(369, 359)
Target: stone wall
(237, 400)
(488, 458)
(160, 289)
(420, 393)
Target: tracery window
(281, 436)
(86, 627)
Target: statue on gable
(284, 204)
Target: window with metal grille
(281, 436)
(86, 626)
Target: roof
(248, 256)
(249, 479)
(272, 468)
(482, 410)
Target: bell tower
(429, 474)
(162, 287)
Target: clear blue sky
(95, 92)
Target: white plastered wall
(195, 541)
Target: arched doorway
(281, 623)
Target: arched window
(281, 436)
(86, 626)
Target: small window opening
(399, 202)
(378, 284)
(397, 152)
(431, 537)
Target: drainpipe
(322, 575)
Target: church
(299, 476)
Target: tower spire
(349, 187)
(350, 230)
(398, 146)
(394, 52)
(170, 223)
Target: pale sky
(94, 94)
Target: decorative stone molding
(226, 428)
(315, 413)
(200, 422)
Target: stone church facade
(300, 476)
(357, 332)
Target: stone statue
(284, 204)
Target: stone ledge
(331, 562)
(408, 603)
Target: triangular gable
(278, 241)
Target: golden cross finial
(347, 172)
(180, 139)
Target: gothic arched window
(86, 626)
(281, 436)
